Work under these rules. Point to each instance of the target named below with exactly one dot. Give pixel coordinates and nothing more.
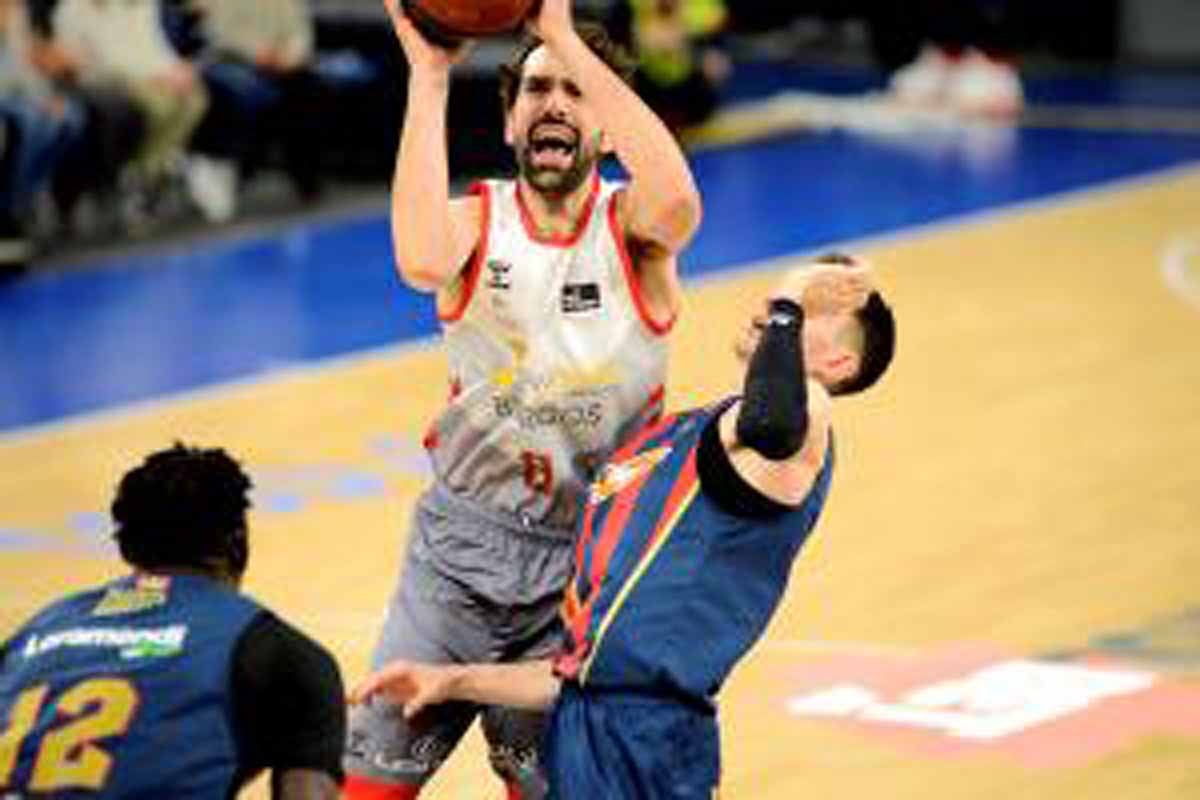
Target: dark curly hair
(184, 507)
(594, 36)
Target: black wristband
(773, 419)
(785, 311)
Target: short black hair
(878, 345)
(183, 507)
(594, 36)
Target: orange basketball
(447, 21)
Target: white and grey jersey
(553, 360)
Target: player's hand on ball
(411, 685)
(420, 52)
(553, 19)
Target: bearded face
(552, 128)
(554, 158)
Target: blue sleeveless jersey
(669, 589)
(123, 692)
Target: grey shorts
(477, 585)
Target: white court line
(1064, 199)
(293, 370)
(1179, 254)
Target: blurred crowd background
(122, 120)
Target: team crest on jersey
(580, 297)
(617, 476)
(498, 271)
(148, 591)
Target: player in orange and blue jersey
(684, 551)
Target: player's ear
(843, 364)
(509, 127)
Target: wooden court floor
(1013, 537)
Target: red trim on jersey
(471, 276)
(640, 438)
(683, 486)
(578, 618)
(655, 399)
(559, 239)
(431, 439)
(357, 787)
(614, 525)
(631, 278)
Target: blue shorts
(626, 746)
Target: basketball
(450, 21)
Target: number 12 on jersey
(68, 756)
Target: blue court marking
(1154, 88)
(153, 325)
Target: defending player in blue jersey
(684, 552)
(169, 684)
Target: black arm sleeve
(773, 419)
(721, 483)
(289, 703)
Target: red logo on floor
(965, 701)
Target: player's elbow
(421, 274)
(677, 219)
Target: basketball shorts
(477, 585)
(626, 746)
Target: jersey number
(68, 757)
(538, 470)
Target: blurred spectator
(681, 65)
(114, 126)
(256, 61)
(40, 124)
(967, 60)
(121, 44)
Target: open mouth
(553, 145)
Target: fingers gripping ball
(447, 22)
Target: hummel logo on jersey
(498, 274)
(580, 297)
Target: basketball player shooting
(685, 552)
(555, 291)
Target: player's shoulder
(80, 602)
(269, 639)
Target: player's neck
(554, 214)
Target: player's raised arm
(824, 332)
(432, 235)
(661, 208)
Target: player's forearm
(421, 187)
(773, 416)
(668, 203)
(526, 684)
